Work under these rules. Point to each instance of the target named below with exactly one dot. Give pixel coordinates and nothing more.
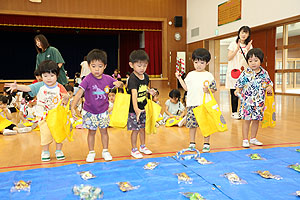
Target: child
(70, 90)
(116, 75)
(174, 108)
(252, 85)
(127, 77)
(96, 86)
(38, 77)
(29, 112)
(195, 85)
(12, 100)
(7, 127)
(137, 88)
(155, 98)
(111, 100)
(77, 78)
(48, 93)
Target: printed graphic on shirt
(141, 93)
(100, 94)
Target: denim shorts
(94, 121)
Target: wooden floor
(22, 151)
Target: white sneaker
(136, 154)
(9, 132)
(246, 144)
(59, 155)
(45, 156)
(24, 130)
(91, 156)
(106, 155)
(182, 122)
(145, 150)
(255, 142)
(192, 146)
(206, 148)
(235, 115)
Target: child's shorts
(190, 118)
(46, 136)
(94, 121)
(133, 124)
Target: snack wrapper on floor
(298, 150)
(192, 195)
(86, 175)
(21, 186)
(234, 178)
(256, 156)
(203, 161)
(151, 165)
(184, 178)
(126, 186)
(295, 167)
(88, 192)
(268, 175)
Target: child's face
(111, 97)
(116, 72)
(199, 65)
(39, 78)
(49, 79)
(2, 105)
(174, 100)
(139, 67)
(97, 68)
(254, 63)
(155, 98)
(243, 35)
(70, 93)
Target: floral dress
(253, 87)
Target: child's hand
(177, 74)
(269, 89)
(249, 45)
(236, 92)
(73, 113)
(11, 86)
(118, 84)
(205, 89)
(138, 114)
(177, 117)
(65, 98)
(152, 92)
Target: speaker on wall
(178, 21)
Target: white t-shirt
(174, 109)
(237, 62)
(195, 83)
(85, 70)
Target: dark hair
(85, 58)
(69, 88)
(4, 99)
(44, 42)
(77, 75)
(257, 52)
(247, 30)
(175, 94)
(156, 90)
(48, 66)
(27, 97)
(97, 54)
(36, 72)
(138, 55)
(184, 98)
(76, 84)
(128, 73)
(201, 54)
(116, 70)
(113, 90)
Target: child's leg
(142, 136)
(59, 146)
(104, 138)
(245, 129)
(206, 139)
(45, 147)
(91, 139)
(58, 153)
(254, 128)
(134, 135)
(206, 145)
(193, 134)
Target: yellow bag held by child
(4, 122)
(209, 117)
(152, 110)
(269, 118)
(59, 123)
(119, 115)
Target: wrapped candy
(183, 177)
(256, 156)
(192, 195)
(188, 156)
(234, 178)
(298, 150)
(296, 167)
(151, 165)
(126, 186)
(203, 161)
(86, 175)
(21, 186)
(268, 175)
(88, 192)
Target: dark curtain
(153, 46)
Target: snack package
(203, 161)
(126, 186)
(295, 167)
(183, 177)
(86, 175)
(298, 150)
(21, 186)
(268, 175)
(192, 195)
(234, 178)
(188, 156)
(88, 192)
(298, 193)
(256, 156)
(151, 165)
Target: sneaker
(24, 130)
(45, 156)
(156, 124)
(9, 132)
(235, 115)
(59, 155)
(246, 144)
(255, 142)
(106, 155)
(192, 146)
(136, 154)
(182, 122)
(91, 156)
(145, 150)
(206, 148)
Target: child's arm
(75, 102)
(269, 89)
(109, 109)
(14, 86)
(167, 112)
(135, 104)
(181, 81)
(7, 113)
(118, 84)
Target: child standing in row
(95, 87)
(137, 88)
(195, 85)
(49, 93)
(252, 85)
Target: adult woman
(237, 52)
(47, 52)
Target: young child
(137, 88)
(38, 77)
(155, 98)
(12, 100)
(29, 112)
(195, 84)
(48, 93)
(77, 78)
(174, 108)
(116, 75)
(70, 90)
(95, 87)
(252, 85)
(111, 100)
(7, 127)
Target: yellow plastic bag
(269, 118)
(119, 115)
(4, 122)
(152, 110)
(59, 123)
(209, 117)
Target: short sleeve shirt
(174, 109)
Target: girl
(237, 63)
(252, 85)
(116, 75)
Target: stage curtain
(153, 46)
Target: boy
(95, 87)
(137, 88)
(48, 93)
(196, 83)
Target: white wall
(204, 14)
